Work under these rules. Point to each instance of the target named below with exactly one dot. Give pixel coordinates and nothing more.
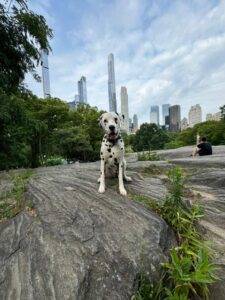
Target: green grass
(12, 202)
(190, 269)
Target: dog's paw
(123, 192)
(101, 189)
(128, 179)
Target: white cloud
(170, 53)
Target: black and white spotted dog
(112, 152)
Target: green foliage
(222, 109)
(214, 131)
(53, 161)
(22, 34)
(33, 130)
(12, 201)
(149, 137)
(149, 155)
(73, 143)
(190, 269)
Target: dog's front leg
(121, 186)
(102, 177)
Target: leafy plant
(190, 268)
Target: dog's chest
(112, 154)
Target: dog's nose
(112, 127)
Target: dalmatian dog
(112, 152)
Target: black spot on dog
(109, 150)
(115, 159)
(113, 153)
(121, 141)
(102, 158)
(121, 148)
(110, 156)
(101, 153)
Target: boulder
(74, 243)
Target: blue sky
(165, 51)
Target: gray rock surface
(78, 244)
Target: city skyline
(155, 60)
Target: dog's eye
(105, 121)
(116, 120)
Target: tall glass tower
(82, 90)
(111, 84)
(174, 118)
(165, 113)
(45, 74)
(154, 115)
(124, 108)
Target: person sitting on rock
(203, 148)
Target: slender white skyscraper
(111, 84)
(124, 108)
(45, 74)
(82, 90)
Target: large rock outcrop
(78, 244)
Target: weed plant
(148, 155)
(190, 268)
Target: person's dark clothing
(205, 149)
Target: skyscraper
(82, 90)
(195, 115)
(135, 122)
(165, 112)
(124, 108)
(174, 118)
(184, 124)
(45, 74)
(154, 115)
(111, 84)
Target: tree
(149, 137)
(73, 143)
(87, 117)
(22, 34)
(222, 109)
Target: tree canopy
(22, 34)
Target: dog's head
(111, 123)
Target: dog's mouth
(112, 136)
